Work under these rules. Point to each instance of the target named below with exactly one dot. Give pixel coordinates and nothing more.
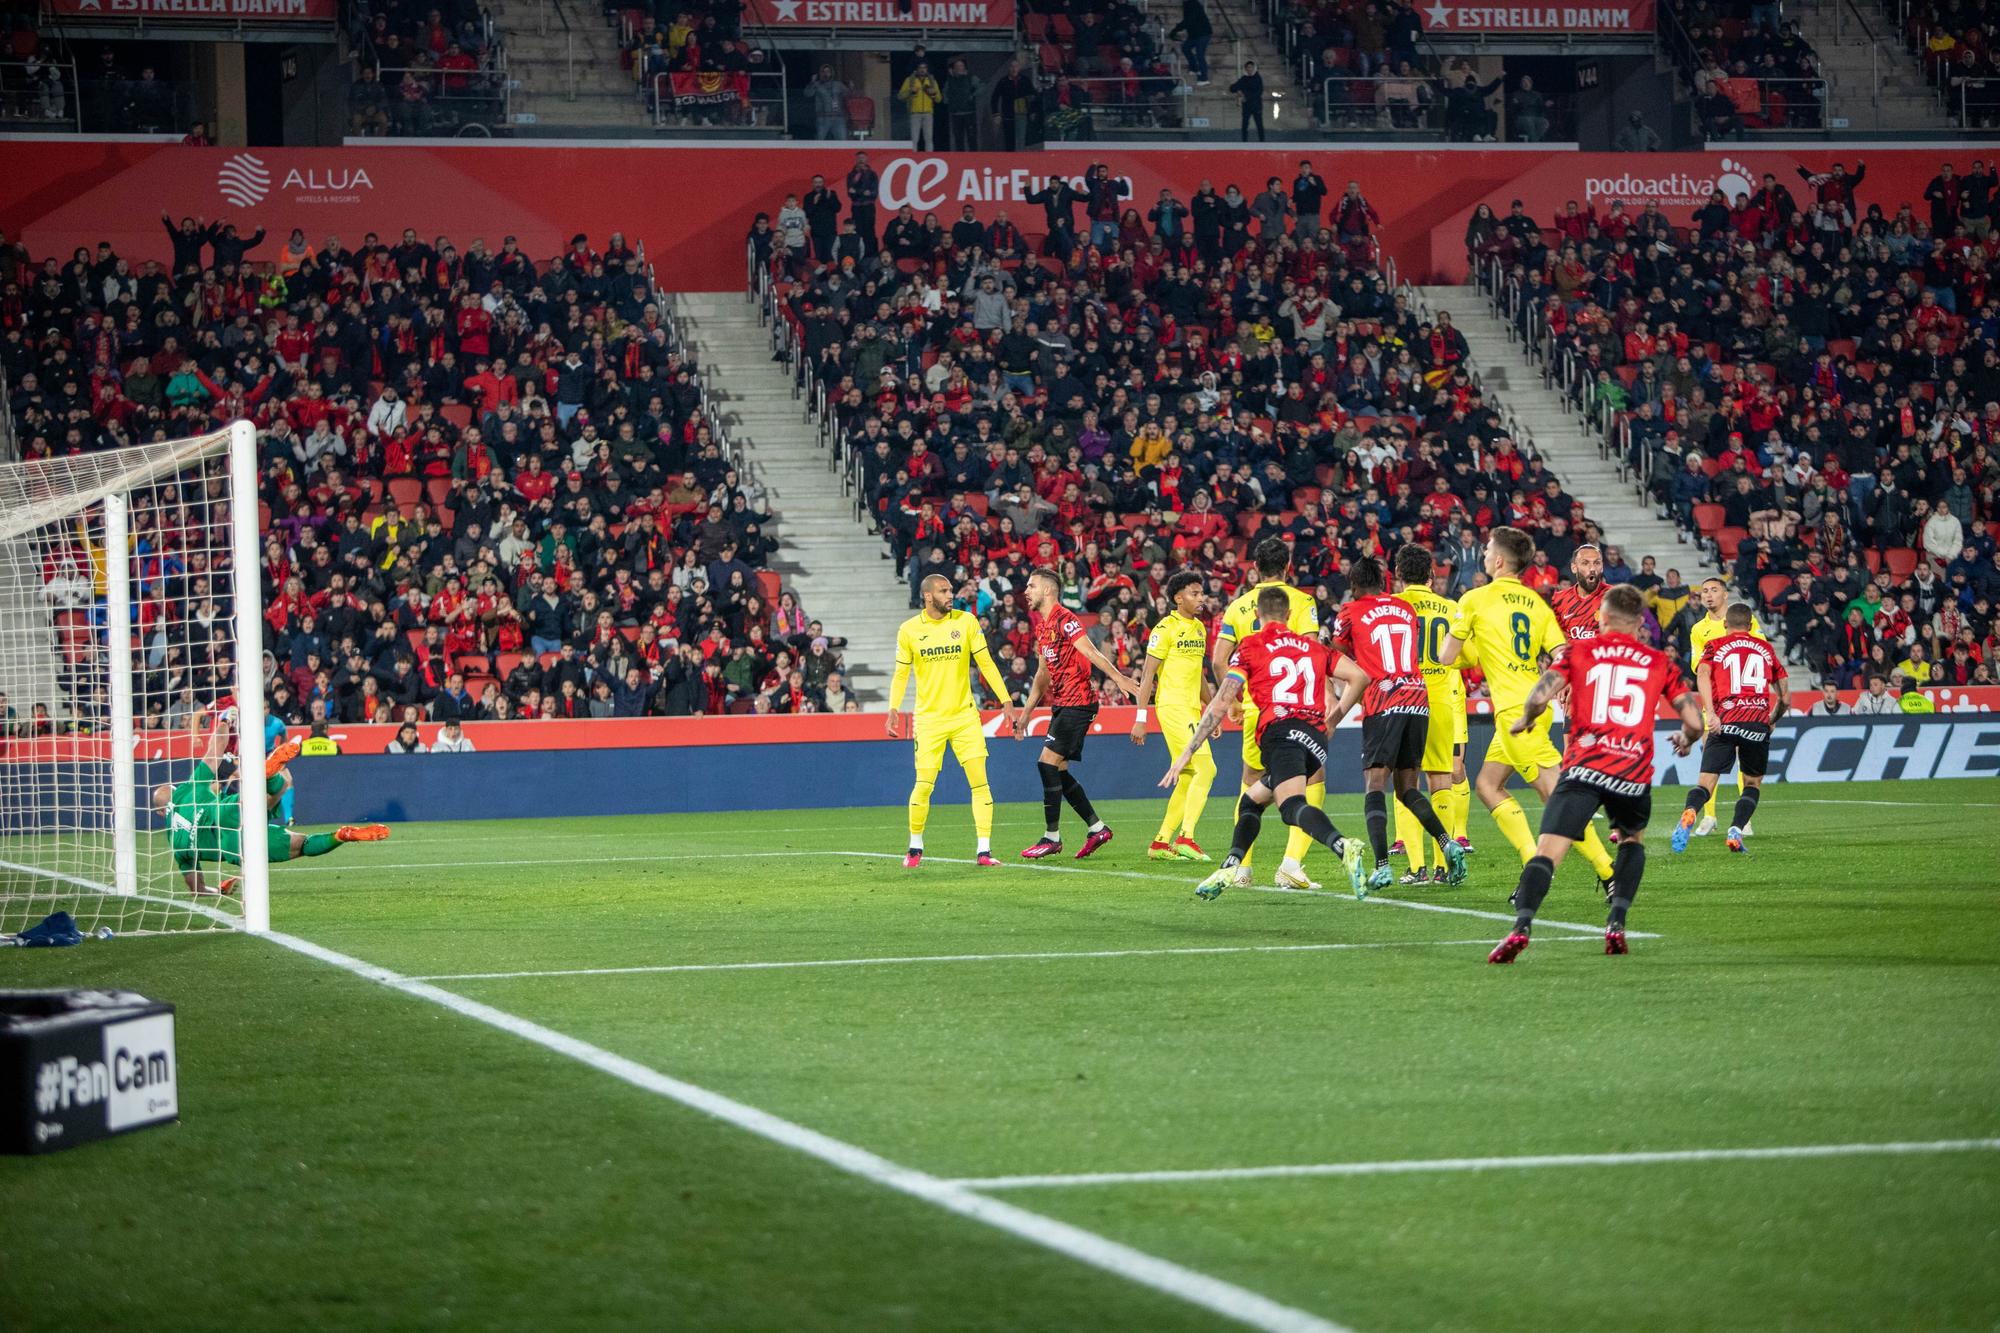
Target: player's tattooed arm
(1551, 684)
(1691, 730)
(1211, 720)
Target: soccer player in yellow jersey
(941, 646)
(1444, 748)
(1714, 595)
(1273, 560)
(1510, 626)
(1175, 653)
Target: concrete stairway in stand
(1873, 83)
(540, 54)
(826, 554)
(1241, 34)
(1564, 439)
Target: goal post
(131, 617)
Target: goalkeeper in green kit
(205, 823)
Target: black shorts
(1067, 729)
(1394, 740)
(1734, 742)
(1292, 749)
(1576, 799)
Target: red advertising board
(778, 15)
(1443, 17)
(60, 195)
(196, 11)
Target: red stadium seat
(1902, 562)
(771, 584)
(407, 492)
(1707, 518)
(506, 662)
(436, 489)
(472, 664)
(458, 414)
(1727, 540)
(1772, 586)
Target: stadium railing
(29, 100)
(765, 106)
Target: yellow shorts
(1177, 724)
(1447, 733)
(962, 734)
(1253, 757)
(1527, 754)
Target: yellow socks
(1442, 802)
(920, 805)
(1176, 808)
(1513, 822)
(1409, 832)
(1298, 839)
(1199, 781)
(1461, 807)
(982, 798)
(1595, 852)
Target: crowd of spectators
(1750, 69)
(1955, 41)
(490, 486)
(1806, 383)
(422, 69)
(1150, 386)
(1112, 62)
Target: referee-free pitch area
(744, 1071)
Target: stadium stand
(1002, 399)
(493, 487)
(423, 73)
(1749, 70)
(1811, 395)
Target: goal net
(130, 621)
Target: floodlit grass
(351, 1157)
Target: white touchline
(1446, 1164)
(358, 866)
(655, 968)
(1829, 800)
(1209, 1293)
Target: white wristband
(1142, 717)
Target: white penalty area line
(1040, 869)
(1199, 1289)
(1440, 1165)
(658, 968)
(1789, 799)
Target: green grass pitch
(351, 1157)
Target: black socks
(1746, 806)
(1073, 790)
(1697, 798)
(1627, 868)
(1249, 818)
(1376, 806)
(1301, 815)
(1418, 802)
(1052, 794)
(1534, 886)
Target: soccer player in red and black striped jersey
(1381, 637)
(1616, 683)
(1576, 605)
(1742, 687)
(1063, 677)
(1284, 674)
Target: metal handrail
(569, 44)
(67, 92)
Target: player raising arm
(1616, 684)
(205, 824)
(941, 646)
(1285, 674)
(1064, 676)
(1175, 653)
(1742, 689)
